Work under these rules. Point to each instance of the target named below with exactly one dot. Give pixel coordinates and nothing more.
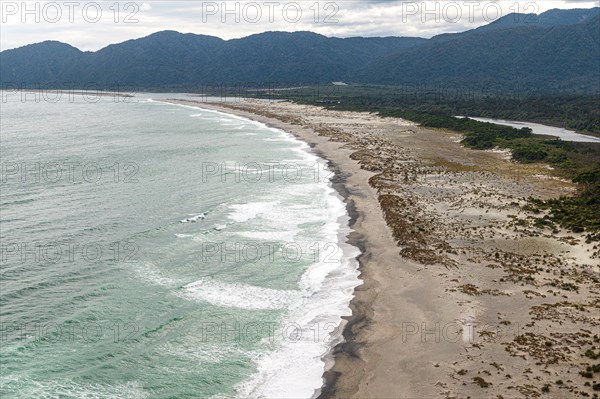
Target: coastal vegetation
(576, 112)
(578, 162)
(578, 213)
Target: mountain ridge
(557, 54)
(564, 56)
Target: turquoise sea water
(158, 251)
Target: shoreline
(358, 236)
(446, 245)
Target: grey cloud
(356, 18)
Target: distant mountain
(554, 17)
(558, 50)
(174, 59)
(537, 57)
(41, 62)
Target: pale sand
(462, 296)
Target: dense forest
(556, 52)
(577, 112)
(529, 56)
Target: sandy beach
(463, 295)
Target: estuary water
(561, 133)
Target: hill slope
(535, 58)
(558, 50)
(170, 58)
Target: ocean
(152, 250)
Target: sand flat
(462, 295)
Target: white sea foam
(194, 218)
(295, 368)
(149, 272)
(219, 227)
(244, 212)
(236, 295)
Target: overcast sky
(90, 25)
